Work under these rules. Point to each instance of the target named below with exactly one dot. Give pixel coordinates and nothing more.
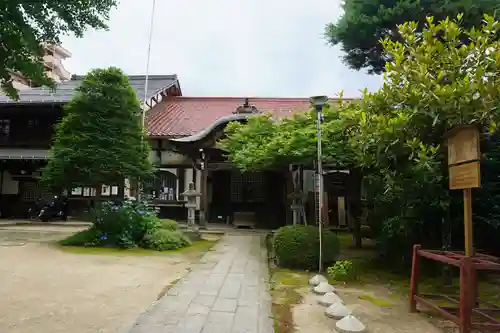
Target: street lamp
(318, 102)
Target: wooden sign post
(464, 171)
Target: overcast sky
(226, 47)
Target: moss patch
(285, 286)
(382, 302)
(167, 288)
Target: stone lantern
(191, 194)
(298, 199)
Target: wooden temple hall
(182, 132)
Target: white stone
(323, 288)
(350, 324)
(329, 299)
(317, 279)
(337, 311)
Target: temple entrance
(247, 191)
(244, 197)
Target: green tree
(100, 139)
(365, 22)
(395, 135)
(27, 24)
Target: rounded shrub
(169, 224)
(298, 247)
(165, 240)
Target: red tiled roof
(182, 116)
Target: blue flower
(99, 219)
(104, 237)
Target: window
(4, 127)
(32, 123)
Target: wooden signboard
(466, 175)
(463, 157)
(464, 171)
(463, 145)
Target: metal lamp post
(144, 105)
(318, 102)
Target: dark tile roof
(65, 90)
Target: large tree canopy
(396, 135)
(27, 24)
(365, 22)
(100, 139)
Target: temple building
(182, 131)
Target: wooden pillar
(204, 192)
(415, 275)
(181, 175)
(469, 246)
(467, 298)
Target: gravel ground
(391, 317)
(44, 289)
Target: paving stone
(190, 324)
(231, 288)
(228, 292)
(198, 309)
(206, 300)
(246, 320)
(225, 305)
(218, 322)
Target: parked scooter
(55, 209)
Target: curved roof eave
(206, 131)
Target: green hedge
(165, 240)
(298, 247)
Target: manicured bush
(298, 247)
(164, 240)
(169, 225)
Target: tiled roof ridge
(299, 99)
(76, 77)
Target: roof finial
(246, 108)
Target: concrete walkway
(227, 292)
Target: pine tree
(100, 138)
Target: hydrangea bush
(129, 224)
(124, 224)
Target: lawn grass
(196, 247)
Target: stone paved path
(227, 292)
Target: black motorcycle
(54, 209)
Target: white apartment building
(53, 62)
